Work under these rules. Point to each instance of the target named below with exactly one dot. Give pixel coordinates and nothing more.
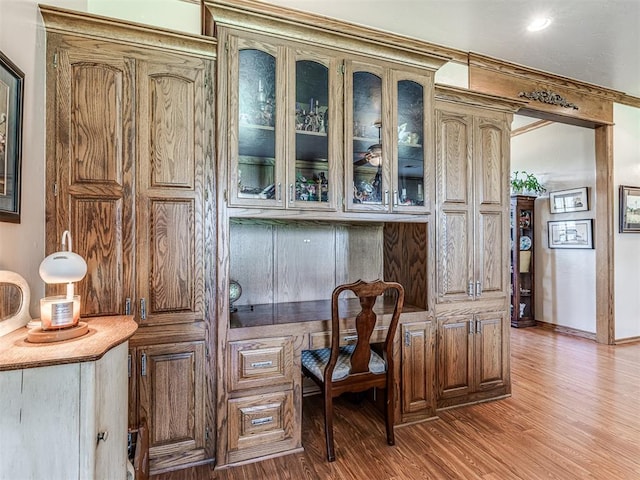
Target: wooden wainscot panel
(545, 92)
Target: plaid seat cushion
(315, 362)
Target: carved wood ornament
(546, 96)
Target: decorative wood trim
(529, 128)
(627, 341)
(72, 22)
(603, 235)
(548, 93)
(446, 93)
(314, 29)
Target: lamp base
(38, 335)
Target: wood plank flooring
(574, 414)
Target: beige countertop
(104, 334)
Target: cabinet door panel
(455, 255)
(92, 122)
(490, 361)
(453, 153)
(455, 356)
(490, 254)
(418, 367)
(489, 152)
(171, 391)
(171, 189)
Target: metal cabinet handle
(291, 197)
(264, 364)
(407, 338)
(127, 306)
(261, 421)
(470, 288)
(471, 327)
(478, 288)
(478, 327)
(350, 338)
(386, 197)
(279, 192)
(395, 198)
(102, 436)
(143, 309)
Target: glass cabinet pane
(312, 139)
(367, 148)
(257, 119)
(410, 143)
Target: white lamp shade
(63, 267)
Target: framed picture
(574, 200)
(11, 93)
(571, 234)
(629, 209)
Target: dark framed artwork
(564, 201)
(571, 233)
(629, 209)
(11, 98)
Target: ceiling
(595, 41)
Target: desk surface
(300, 312)
(104, 334)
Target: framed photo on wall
(11, 93)
(574, 200)
(571, 233)
(629, 209)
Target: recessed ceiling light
(539, 24)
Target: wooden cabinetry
(63, 405)
(388, 118)
(264, 411)
(472, 358)
(472, 159)
(129, 155)
(522, 261)
(284, 123)
(418, 375)
(472, 250)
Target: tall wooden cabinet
(472, 281)
(129, 154)
(522, 261)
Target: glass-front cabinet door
(389, 120)
(257, 152)
(314, 148)
(411, 172)
(367, 169)
(284, 126)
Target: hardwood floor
(574, 414)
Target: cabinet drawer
(323, 339)
(262, 424)
(259, 363)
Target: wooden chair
(356, 367)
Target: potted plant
(523, 183)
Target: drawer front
(261, 363)
(261, 425)
(347, 337)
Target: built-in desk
(264, 368)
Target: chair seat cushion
(315, 362)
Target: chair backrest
(367, 293)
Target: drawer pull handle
(264, 364)
(350, 338)
(261, 421)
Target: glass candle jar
(59, 312)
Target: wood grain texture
(571, 416)
(104, 334)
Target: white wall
(626, 145)
(561, 156)
(22, 39)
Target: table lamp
(62, 311)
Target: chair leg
(389, 415)
(328, 425)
